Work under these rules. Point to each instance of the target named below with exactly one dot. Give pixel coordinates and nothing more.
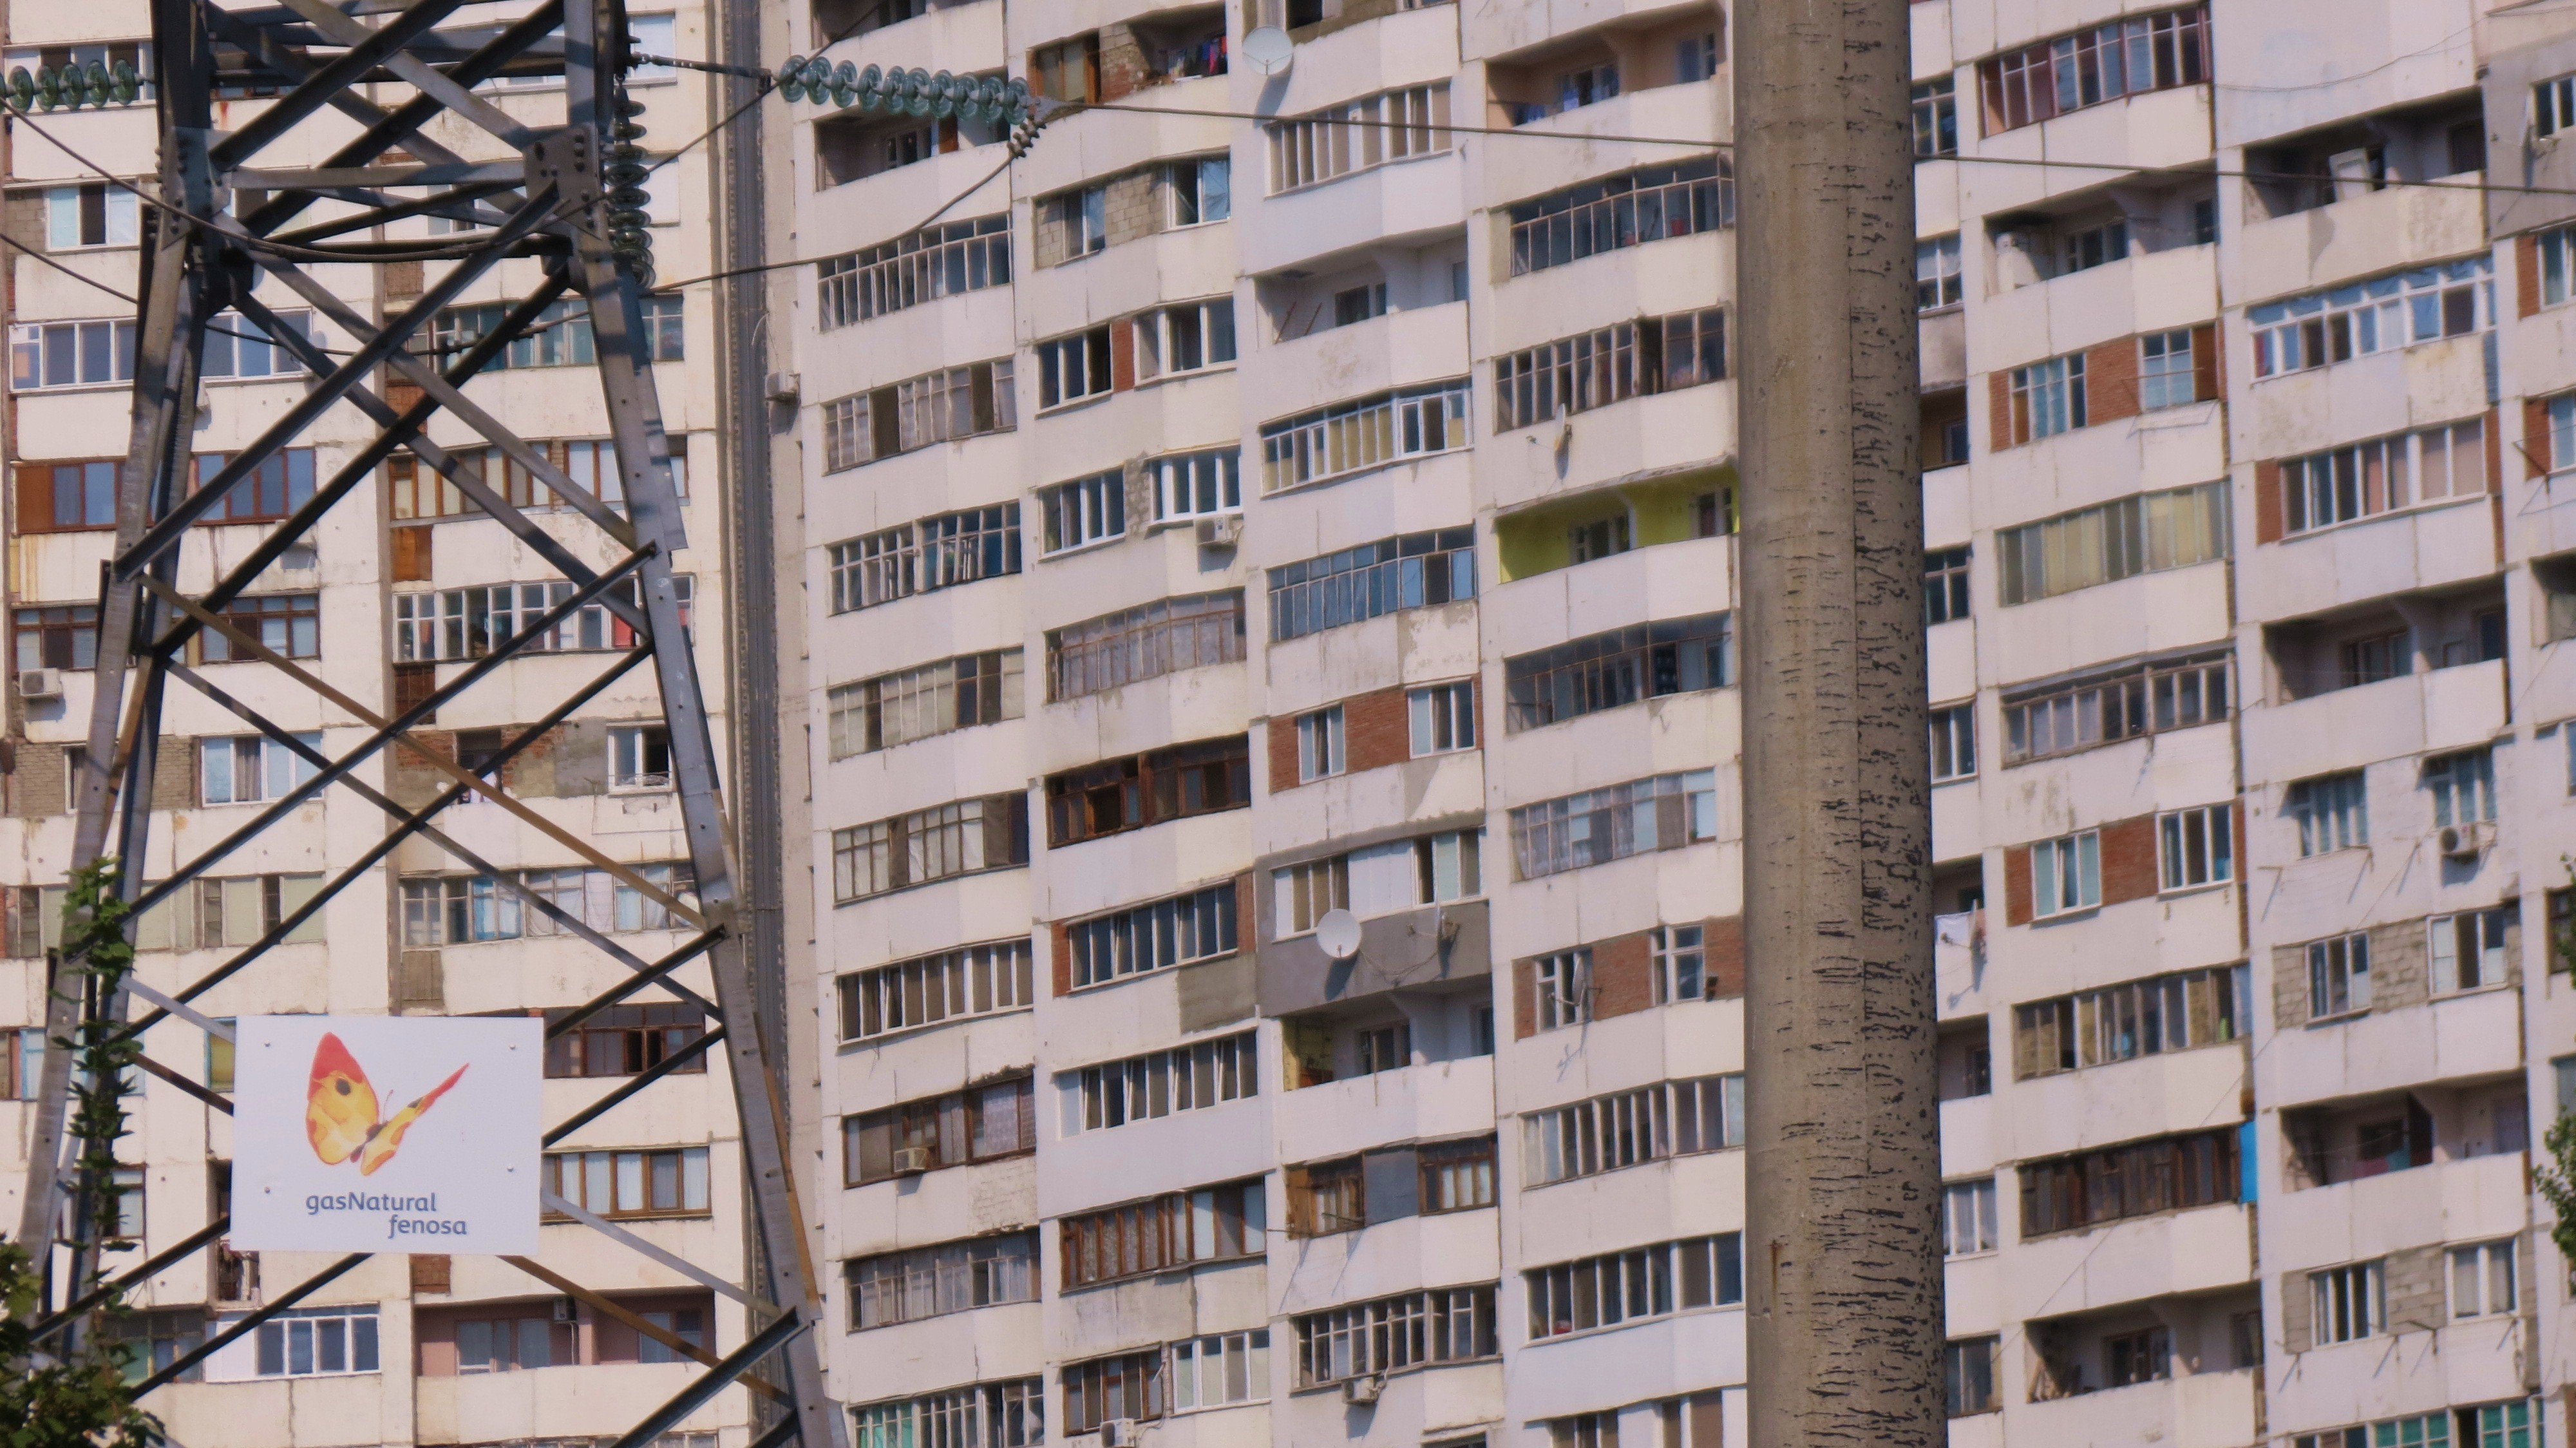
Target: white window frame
(2553, 105)
(2338, 821)
(1200, 172)
(1085, 215)
(1066, 362)
(2485, 1280)
(2463, 787)
(275, 769)
(1321, 750)
(2374, 315)
(2165, 363)
(2347, 1304)
(1082, 513)
(1437, 712)
(62, 217)
(1195, 485)
(1158, 337)
(2196, 847)
(1203, 1372)
(1562, 987)
(28, 353)
(1678, 957)
(2339, 976)
(2066, 875)
(1954, 742)
(1968, 1218)
(2487, 956)
(630, 754)
(653, 35)
(1940, 280)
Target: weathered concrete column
(1842, 1244)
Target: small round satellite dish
(1338, 931)
(1269, 50)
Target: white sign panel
(387, 1134)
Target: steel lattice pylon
(572, 198)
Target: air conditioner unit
(1118, 1433)
(40, 683)
(1363, 1390)
(785, 387)
(2464, 842)
(1222, 531)
(566, 1310)
(911, 1160)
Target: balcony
(2450, 1039)
(2199, 1410)
(2449, 1201)
(2198, 1250)
(2376, 232)
(598, 1400)
(1335, 364)
(2453, 708)
(1413, 949)
(2440, 545)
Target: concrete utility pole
(1842, 1246)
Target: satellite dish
(1269, 50)
(1339, 933)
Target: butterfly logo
(342, 1117)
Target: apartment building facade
(405, 587)
(1216, 523)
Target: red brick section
(2526, 272)
(412, 553)
(2535, 437)
(1524, 999)
(1375, 729)
(1999, 410)
(2017, 885)
(1122, 354)
(1283, 755)
(2111, 381)
(2129, 860)
(1060, 951)
(2495, 448)
(1725, 969)
(2208, 364)
(1121, 63)
(2267, 502)
(1622, 976)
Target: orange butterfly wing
(340, 1110)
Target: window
(1622, 211)
(974, 980)
(2463, 787)
(1678, 956)
(1623, 1287)
(560, 336)
(281, 483)
(302, 1342)
(1320, 750)
(61, 497)
(1158, 1083)
(1624, 666)
(2553, 105)
(981, 1123)
(101, 213)
(441, 910)
(2088, 1189)
(1954, 742)
(920, 702)
(1326, 1198)
(1631, 1128)
(469, 623)
(2347, 1303)
(2500, 1425)
(1145, 642)
(1355, 136)
(1443, 717)
(1457, 1176)
(2136, 1018)
(421, 492)
(1936, 118)
(1211, 1372)
(2557, 251)
(2338, 976)
(2165, 370)
(1968, 1218)
(1380, 880)
(2092, 67)
(668, 1183)
(1160, 1234)
(2066, 874)
(1178, 782)
(1615, 363)
(943, 261)
(2198, 846)
(1415, 570)
(72, 354)
(285, 623)
(2482, 1280)
(1585, 1430)
(1073, 368)
(152, 1341)
(1354, 305)
(1445, 1324)
(2384, 475)
(939, 843)
(1127, 1386)
(1564, 985)
(937, 552)
(925, 1282)
(625, 1040)
(1695, 58)
(1666, 812)
(2138, 1357)
(64, 636)
(639, 757)
(2432, 1430)
(242, 349)
(943, 406)
(1945, 585)
(250, 768)
(2469, 950)
(1373, 432)
(133, 53)
(992, 1415)
(2382, 314)
(2048, 398)
(1141, 938)
(1938, 280)
(2149, 533)
(1083, 512)
(22, 1058)
(1198, 191)
(1968, 1375)
(2333, 812)
(1197, 485)
(1187, 338)
(2094, 246)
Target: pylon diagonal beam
(609, 1309)
(315, 90)
(345, 30)
(250, 1322)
